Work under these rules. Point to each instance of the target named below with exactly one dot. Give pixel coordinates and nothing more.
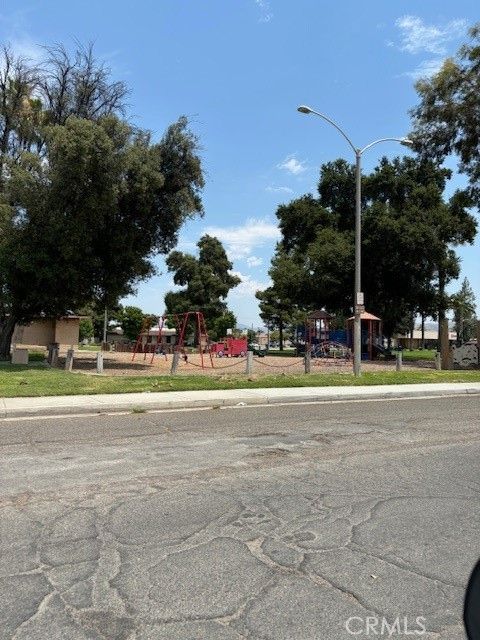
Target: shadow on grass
(6, 365)
(90, 364)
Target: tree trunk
(423, 331)
(6, 333)
(441, 305)
(280, 336)
(412, 329)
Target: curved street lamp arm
(400, 140)
(321, 115)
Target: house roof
(366, 316)
(320, 314)
(117, 330)
(166, 331)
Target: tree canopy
(408, 234)
(206, 279)
(447, 119)
(463, 304)
(224, 322)
(85, 329)
(86, 199)
(277, 302)
(132, 320)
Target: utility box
(19, 356)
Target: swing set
(181, 322)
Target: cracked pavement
(250, 523)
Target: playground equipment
(317, 328)
(313, 332)
(229, 346)
(321, 341)
(315, 337)
(181, 321)
(372, 339)
(331, 350)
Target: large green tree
(274, 311)
(223, 323)
(277, 302)
(85, 329)
(409, 231)
(408, 234)
(86, 199)
(207, 280)
(447, 119)
(464, 311)
(131, 320)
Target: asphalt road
(260, 523)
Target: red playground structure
(230, 347)
(181, 322)
(317, 329)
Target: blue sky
(238, 69)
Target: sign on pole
(360, 300)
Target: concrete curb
(130, 402)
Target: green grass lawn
(40, 380)
(409, 356)
(418, 354)
(36, 356)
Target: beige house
(44, 331)
(430, 339)
(115, 335)
(167, 341)
(262, 339)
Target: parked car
(257, 349)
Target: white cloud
(254, 261)
(425, 69)
(273, 189)
(248, 286)
(265, 13)
(292, 165)
(241, 240)
(418, 37)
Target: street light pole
(357, 321)
(105, 324)
(358, 299)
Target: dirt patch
(121, 364)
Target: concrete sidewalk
(107, 403)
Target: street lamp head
(407, 142)
(304, 109)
